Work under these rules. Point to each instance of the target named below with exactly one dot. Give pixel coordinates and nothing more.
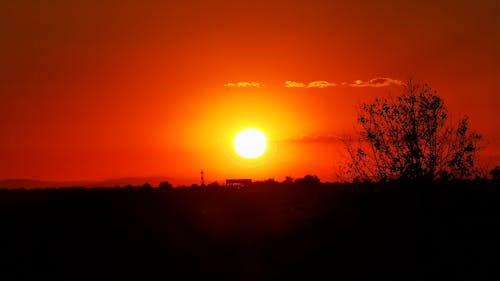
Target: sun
(250, 143)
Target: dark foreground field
(270, 232)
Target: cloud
(293, 84)
(313, 84)
(315, 139)
(243, 84)
(320, 84)
(377, 82)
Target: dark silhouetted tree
(165, 185)
(410, 138)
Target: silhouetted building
(237, 183)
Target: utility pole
(202, 178)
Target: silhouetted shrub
(288, 180)
(213, 185)
(308, 180)
(495, 173)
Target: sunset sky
(93, 90)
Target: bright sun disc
(250, 143)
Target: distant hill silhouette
(32, 184)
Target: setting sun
(250, 143)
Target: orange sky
(92, 90)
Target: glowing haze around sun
(250, 143)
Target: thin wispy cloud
(315, 139)
(313, 84)
(377, 82)
(243, 84)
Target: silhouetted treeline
(297, 229)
